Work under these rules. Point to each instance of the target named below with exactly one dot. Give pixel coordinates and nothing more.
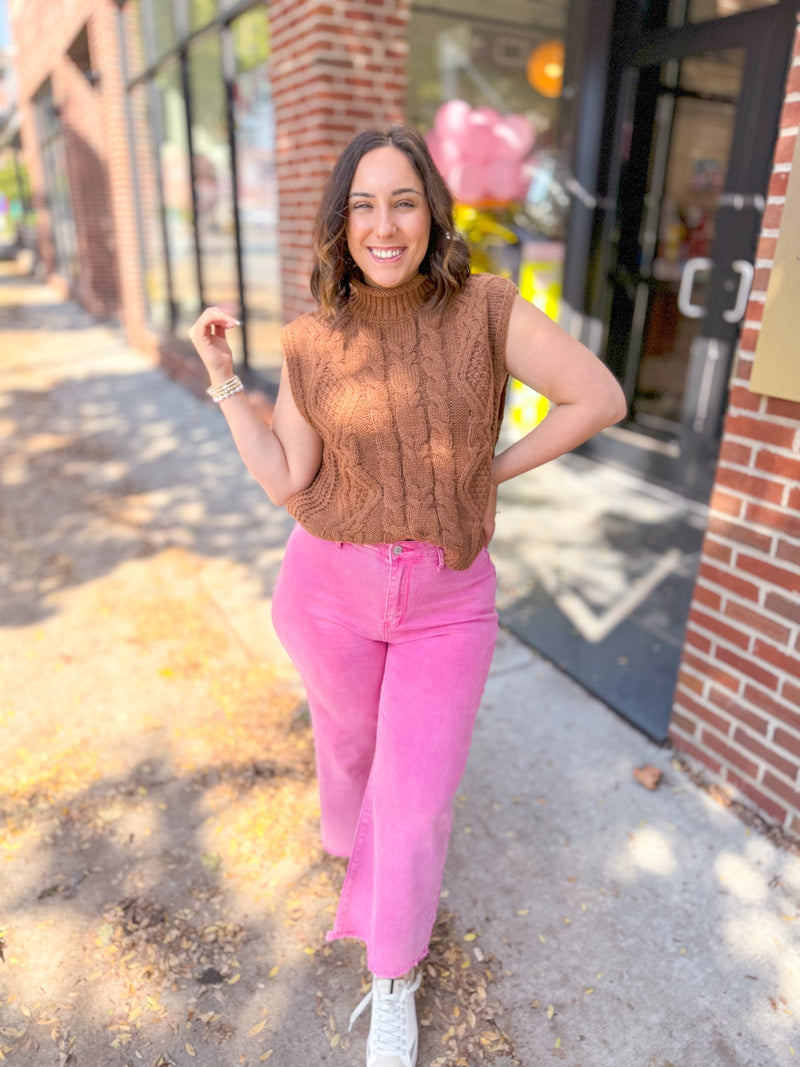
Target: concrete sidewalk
(152, 913)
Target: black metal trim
(653, 47)
(229, 79)
(187, 101)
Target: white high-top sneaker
(393, 1034)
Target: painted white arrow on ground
(593, 627)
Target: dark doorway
(689, 135)
(674, 135)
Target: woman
(382, 447)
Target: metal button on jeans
(398, 550)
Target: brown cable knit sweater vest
(408, 403)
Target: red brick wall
(88, 133)
(337, 66)
(737, 704)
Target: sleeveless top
(408, 403)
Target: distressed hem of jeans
(338, 935)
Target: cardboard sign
(776, 370)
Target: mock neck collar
(373, 303)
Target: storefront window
(162, 21)
(201, 13)
(257, 192)
(154, 266)
(59, 196)
(683, 11)
(211, 166)
(173, 155)
(188, 205)
(487, 93)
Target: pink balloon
(450, 150)
(451, 117)
(478, 142)
(468, 182)
(503, 180)
(489, 114)
(444, 150)
(523, 130)
(507, 143)
(434, 142)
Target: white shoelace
(389, 1015)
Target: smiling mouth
(386, 254)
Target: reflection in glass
(173, 154)
(201, 13)
(162, 19)
(213, 185)
(487, 93)
(257, 192)
(683, 11)
(688, 166)
(155, 275)
(54, 157)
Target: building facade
(626, 163)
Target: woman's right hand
(208, 337)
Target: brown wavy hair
(446, 261)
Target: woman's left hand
(489, 516)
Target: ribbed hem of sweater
(376, 304)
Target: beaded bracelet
(225, 389)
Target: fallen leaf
(266, 1055)
(550, 1011)
(190, 1049)
(257, 1028)
(718, 794)
(648, 776)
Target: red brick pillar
(88, 130)
(104, 38)
(737, 704)
(337, 67)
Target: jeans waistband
(397, 550)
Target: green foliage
(251, 34)
(9, 183)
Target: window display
(204, 131)
(487, 93)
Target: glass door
(694, 136)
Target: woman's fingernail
(236, 321)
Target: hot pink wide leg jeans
(394, 649)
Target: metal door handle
(685, 305)
(745, 271)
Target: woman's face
(388, 218)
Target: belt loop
(440, 554)
(339, 544)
